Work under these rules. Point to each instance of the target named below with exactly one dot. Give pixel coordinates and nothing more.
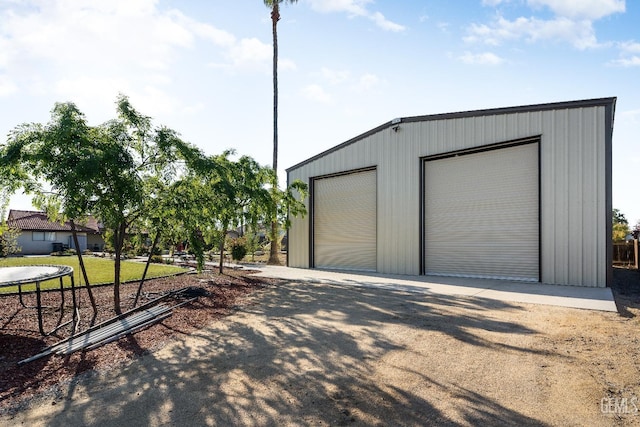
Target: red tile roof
(33, 220)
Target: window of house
(44, 236)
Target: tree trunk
(273, 251)
(146, 267)
(82, 267)
(275, 17)
(224, 234)
(119, 243)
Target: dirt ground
(320, 354)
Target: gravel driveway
(322, 354)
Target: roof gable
(38, 221)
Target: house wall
(39, 247)
(95, 242)
(575, 183)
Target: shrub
(238, 249)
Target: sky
(203, 67)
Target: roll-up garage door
(482, 214)
(344, 221)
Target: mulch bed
(20, 337)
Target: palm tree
(274, 5)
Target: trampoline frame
(62, 272)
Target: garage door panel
(345, 221)
(482, 214)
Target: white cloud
(384, 23)
(629, 55)
(444, 27)
(154, 100)
(100, 32)
(630, 47)
(356, 8)
(316, 93)
(85, 90)
(572, 23)
(631, 61)
(335, 76)
(581, 9)
(252, 54)
(7, 87)
(286, 64)
(344, 80)
(116, 41)
(250, 51)
(485, 58)
(341, 88)
(367, 82)
(579, 33)
(208, 32)
(493, 3)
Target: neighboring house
(513, 193)
(41, 236)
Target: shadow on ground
(626, 291)
(303, 354)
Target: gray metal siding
(573, 180)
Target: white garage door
(344, 221)
(482, 214)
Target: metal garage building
(516, 193)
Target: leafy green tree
(619, 217)
(9, 240)
(132, 153)
(101, 170)
(5, 196)
(5, 232)
(285, 204)
(63, 155)
(252, 243)
(620, 226)
(160, 220)
(274, 5)
(182, 209)
(239, 193)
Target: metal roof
(611, 101)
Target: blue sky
(203, 68)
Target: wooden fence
(625, 254)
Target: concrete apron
(497, 289)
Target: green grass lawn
(99, 270)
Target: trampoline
(36, 274)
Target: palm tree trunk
(275, 17)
